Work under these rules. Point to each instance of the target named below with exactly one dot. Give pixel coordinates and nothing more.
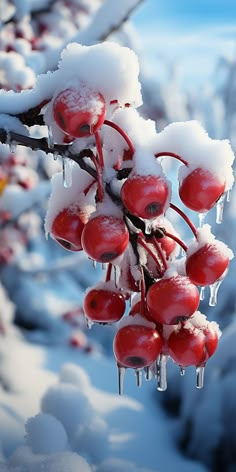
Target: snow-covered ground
(55, 400)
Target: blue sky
(186, 13)
(193, 33)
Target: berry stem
(143, 243)
(185, 217)
(171, 154)
(86, 190)
(160, 252)
(122, 133)
(179, 241)
(99, 148)
(108, 274)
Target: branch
(41, 144)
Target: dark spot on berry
(66, 244)
(153, 208)
(84, 129)
(135, 361)
(108, 256)
(93, 304)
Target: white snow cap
(137, 320)
(106, 67)
(205, 236)
(198, 322)
(191, 142)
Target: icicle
(50, 138)
(228, 195)
(161, 372)
(200, 376)
(89, 323)
(55, 155)
(138, 374)
(182, 371)
(121, 378)
(67, 172)
(214, 292)
(201, 218)
(148, 226)
(220, 209)
(94, 264)
(202, 293)
(104, 266)
(10, 143)
(148, 373)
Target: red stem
(99, 148)
(160, 252)
(122, 133)
(179, 241)
(142, 242)
(86, 190)
(185, 217)
(171, 154)
(108, 274)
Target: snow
(72, 197)
(205, 236)
(101, 428)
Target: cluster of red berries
(127, 229)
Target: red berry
(145, 196)
(207, 264)
(200, 190)
(136, 346)
(67, 228)
(104, 305)
(190, 345)
(79, 112)
(104, 238)
(173, 298)
(167, 244)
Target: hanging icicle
(161, 372)
(67, 171)
(201, 218)
(200, 376)
(214, 288)
(138, 374)
(202, 293)
(121, 378)
(220, 209)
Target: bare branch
(36, 144)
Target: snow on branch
(107, 19)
